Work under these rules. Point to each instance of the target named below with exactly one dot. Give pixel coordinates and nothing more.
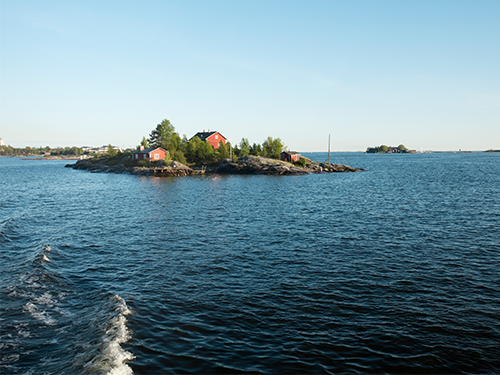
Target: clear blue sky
(422, 73)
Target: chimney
(141, 148)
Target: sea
(393, 270)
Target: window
(136, 156)
(157, 156)
(216, 136)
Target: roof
(204, 135)
(147, 150)
(291, 152)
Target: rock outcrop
(328, 167)
(258, 165)
(244, 165)
(106, 165)
(261, 165)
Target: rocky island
(165, 153)
(243, 165)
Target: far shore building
(101, 150)
(290, 156)
(150, 154)
(212, 137)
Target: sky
(425, 74)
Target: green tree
(179, 156)
(272, 148)
(111, 151)
(255, 149)
(205, 151)
(74, 151)
(244, 147)
(164, 136)
(190, 149)
(224, 151)
(383, 149)
(144, 143)
(402, 147)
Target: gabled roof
(290, 152)
(204, 135)
(147, 150)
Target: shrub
(301, 162)
(144, 163)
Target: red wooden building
(212, 137)
(291, 156)
(150, 154)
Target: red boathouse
(151, 154)
(290, 156)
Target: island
(250, 164)
(165, 153)
(383, 149)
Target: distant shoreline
(49, 158)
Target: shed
(151, 154)
(290, 156)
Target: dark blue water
(393, 270)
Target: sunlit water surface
(392, 270)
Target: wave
(104, 355)
(33, 303)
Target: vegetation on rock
(197, 152)
(383, 149)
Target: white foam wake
(39, 314)
(111, 358)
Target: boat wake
(104, 354)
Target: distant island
(165, 153)
(383, 149)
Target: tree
(164, 136)
(244, 147)
(272, 148)
(383, 149)
(179, 156)
(111, 151)
(205, 151)
(224, 150)
(255, 149)
(402, 148)
(144, 143)
(190, 148)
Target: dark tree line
(35, 151)
(383, 149)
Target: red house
(212, 137)
(290, 156)
(150, 154)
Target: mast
(328, 148)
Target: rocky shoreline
(262, 165)
(244, 165)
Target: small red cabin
(151, 154)
(212, 137)
(290, 156)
